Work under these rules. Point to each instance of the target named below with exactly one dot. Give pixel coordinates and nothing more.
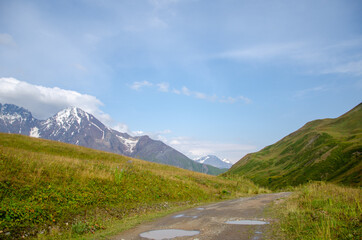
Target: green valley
(54, 190)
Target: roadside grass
(320, 211)
(53, 190)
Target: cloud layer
(140, 85)
(165, 87)
(43, 102)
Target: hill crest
(324, 149)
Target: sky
(221, 77)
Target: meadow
(320, 211)
(53, 190)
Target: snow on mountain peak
(66, 118)
(11, 113)
(214, 161)
(129, 142)
(226, 161)
(11, 118)
(203, 159)
(34, 132)
(70, 115)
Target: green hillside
(327, 149)
(55, 190)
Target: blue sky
(206, 77)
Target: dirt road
(209, 222)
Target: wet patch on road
(168, 234)
(185, 216)
(247, 222)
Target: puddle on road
(185, 216)
(168, 234)
(200, 208)
(247, 222)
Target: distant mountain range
(326, 149)
(214, 161)
(75, 126)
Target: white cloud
(121, 127)
(185, 91)
(175, 142)
(245, 99)
(178, 92)
(44, 102)
(163, 87)
(234, 99)
(139, 85)
(200, 95)
(212, 98)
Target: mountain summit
(75, 126)
(214, 161)
(14, 119)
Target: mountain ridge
(75, 126)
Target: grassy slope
(320, 211)
(49, 187)
(328, 149)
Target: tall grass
(56, 190)
(321, 211)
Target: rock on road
(209, 222)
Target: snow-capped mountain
(75, 126)
(214, 161)
(14, 119)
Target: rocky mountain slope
(327, 149)
(214, 161)
(14, 119)
(75, 126)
